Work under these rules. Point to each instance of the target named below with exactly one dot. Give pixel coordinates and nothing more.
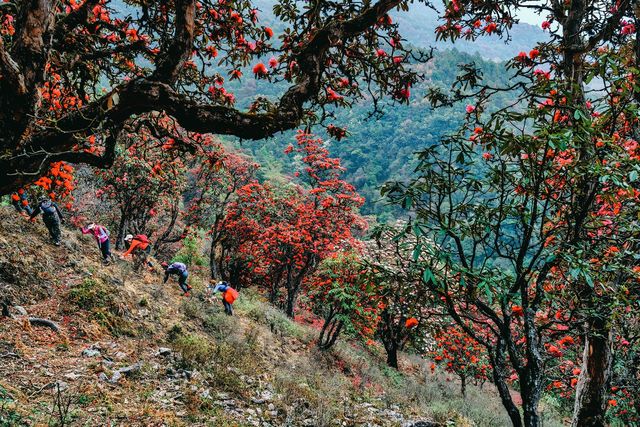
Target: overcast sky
(530, 17)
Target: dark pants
(182, 281)
(105, 248)
(53, 225)
(20, 208)
(140, 258)
(228, 308)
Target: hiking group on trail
(138, 246)
(229, 295)
(139, 249)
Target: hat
(91, 226)
(164, 265)
(128, 237)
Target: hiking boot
(56, 243)
(186, 294)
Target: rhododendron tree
(531, 207)
(405, 308)
(342, 292)
(214, 186)
(145, 177)
(282, 234)
(174, 57)
(460, 355)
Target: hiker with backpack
(229, 295)
(51, 216)
(101, 234)
(139, 249)
(180, 270)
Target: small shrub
(194, 309)
(191, 252)
(174, 333)
(219, 325)
(194, 350)
(104, 303)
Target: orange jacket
(136, 244)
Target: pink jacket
(99, 232)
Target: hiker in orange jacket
(139, 249)
(229, 295)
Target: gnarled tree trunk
(593, 385)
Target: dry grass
(106, 306)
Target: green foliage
(191, 251)
(251, 306)
(104, 304)
(194, 350)
(9, 417)
(379, 149)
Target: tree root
(36, 321)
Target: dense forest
(382, 148)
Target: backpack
(230, 295)
(141, 238)
(47, 208)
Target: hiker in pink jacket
(101, 234)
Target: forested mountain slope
(378, 149)
(129, 351)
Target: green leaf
(428, 276)
(588, 279)
(416, 252)
(407, 202)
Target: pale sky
(530, 17)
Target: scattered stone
(103, 377)
(90, 352)
(60, 385)
(71, 376)
(421, 424)
(130, 370)
(115, 377)
(163, 351)
(20, 309)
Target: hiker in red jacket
(101, 235)
(139, 249)
(229, 295)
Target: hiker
(180, 270)
(229, 295)
(51, 216)
(101, 235)
(20, 202)
(139, 249)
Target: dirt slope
(131, 351)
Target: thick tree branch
(74, 19)
(144, 95)
(178, 50)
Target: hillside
(131, 351)
(379, 149)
